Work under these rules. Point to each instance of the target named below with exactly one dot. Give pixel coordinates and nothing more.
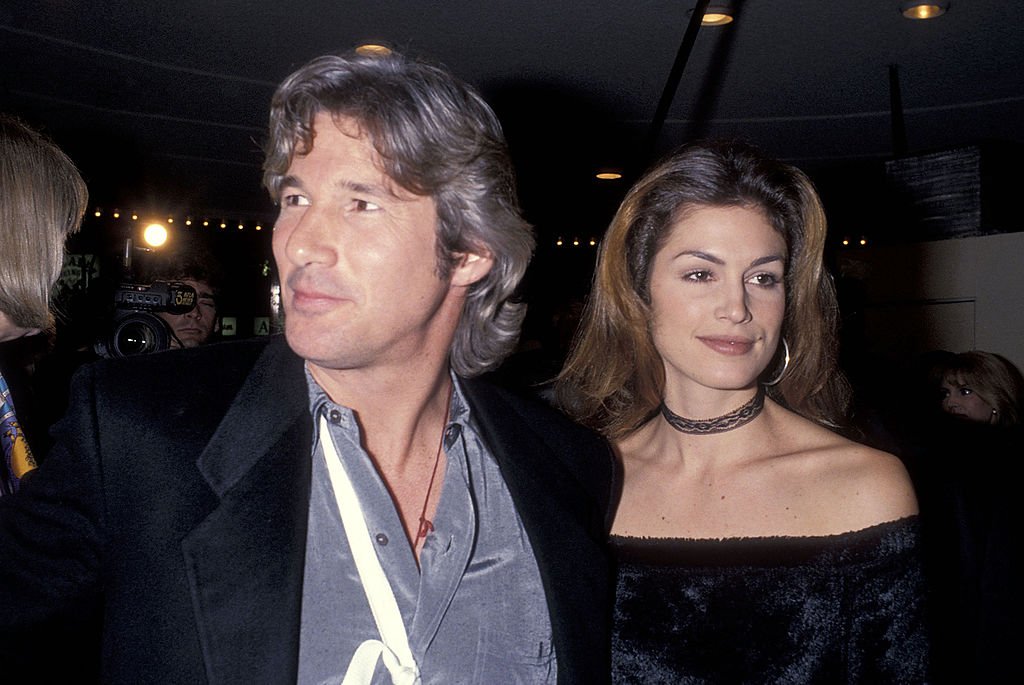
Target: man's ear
(470, 267)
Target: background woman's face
(961, 400)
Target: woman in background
(982, 387)
(754, 543)
(42, 200)
(967, 475)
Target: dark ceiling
(163, 104)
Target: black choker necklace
(720, 424)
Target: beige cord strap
(393, 646)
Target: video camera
(137, 329)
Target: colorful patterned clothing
(17, 457)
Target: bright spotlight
(155, 235)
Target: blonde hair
(42, 200)
(614, 378)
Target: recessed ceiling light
(718, 13)
(716, 18)
(373, 50)
(924, 10)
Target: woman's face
(718, 297)
(961, 400)
(10, 331)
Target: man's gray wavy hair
(435, 136)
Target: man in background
(198, 270)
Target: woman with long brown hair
(755, 544)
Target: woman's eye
(966, 391)
(765, 280)
(699, 276)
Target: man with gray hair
(349, 504)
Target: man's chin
(188, 341)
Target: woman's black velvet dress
(834, 609)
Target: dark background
(163, 106)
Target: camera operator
(199, 270)
(78, 345)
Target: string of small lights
(575, 242)
(201, 221)
(197, 220)
(592, 242)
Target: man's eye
(364, 206)
(294, 200)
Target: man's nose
(312, 240)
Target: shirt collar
(322, 405)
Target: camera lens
(140, 334)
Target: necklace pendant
(426, 526)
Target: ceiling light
(716, 19)
(717, 14)
(917, 9)
(373, 50)
(608, 175)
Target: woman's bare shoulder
(853, 486)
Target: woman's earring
(785, 365)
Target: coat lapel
(566, 530)
(245, 560)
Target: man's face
(357, 259)
(195, 328)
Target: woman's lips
(729, 346)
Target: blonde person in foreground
(753, 542)
(42, 200)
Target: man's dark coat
(176, 501)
